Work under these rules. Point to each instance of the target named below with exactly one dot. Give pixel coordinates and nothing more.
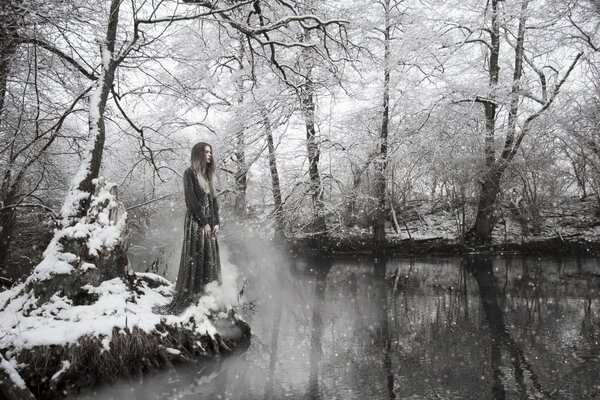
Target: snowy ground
(567, 218)
(59, 322)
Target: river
(473, 327)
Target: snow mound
(99, 231)
(60, 322)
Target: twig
(150, 201)
(45, 208)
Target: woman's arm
(191, 200)
(216, 208)
(215, 229)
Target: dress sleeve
(216, 208)
(191, 199)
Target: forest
(356, 124)
(337, 119)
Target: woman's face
(208, 154)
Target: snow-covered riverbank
(64, 346)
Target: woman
(200, 263)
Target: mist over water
(435, 327)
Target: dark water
(432, 328)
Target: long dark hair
(205, 172)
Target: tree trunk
(90, 167)
(481, 232)
(7, 225)
(89, 262)
(382, 161)
(277, 199)
(307, 103)
(8, 218)
(312, 147)
(8, 46)
(241, 179)
(6, 53)
(352, 197)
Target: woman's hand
(206, 231)
(215, 230)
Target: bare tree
(518, 125)
(308, 107)
(31, 119)
(241, 180)
(381, 161)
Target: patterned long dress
(200, 262)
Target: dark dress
(200, 262)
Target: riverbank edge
(130, 354)
(441, 246)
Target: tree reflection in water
(381, 290)
(322, 267)
(277, 294)
(482, 269)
